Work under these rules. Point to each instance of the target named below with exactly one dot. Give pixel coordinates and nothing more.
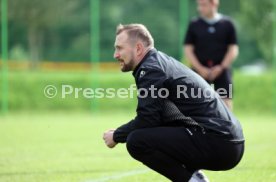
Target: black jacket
(191, 101)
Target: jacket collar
(144, 58)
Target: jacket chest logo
(142, 73)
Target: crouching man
(182, 133)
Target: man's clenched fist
(108, 138)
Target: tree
(36, 16)
(256, 18)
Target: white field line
(119, 175)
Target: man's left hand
(216, 71)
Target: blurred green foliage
(59, 30)
(257, 19)
(251, 93)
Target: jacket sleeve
(149, 108)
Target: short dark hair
(214, 2)
(137, 32)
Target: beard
(125, 67)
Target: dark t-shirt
(211, 41)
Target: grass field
(68, 147)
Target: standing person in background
(211, 46)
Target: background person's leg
(224, 83)
(228, 103)
(170, 151)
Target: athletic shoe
(199, 176)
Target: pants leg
(175, 152)
(163, 164)
(163, 149)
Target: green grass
(68, 147)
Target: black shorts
(223, 84)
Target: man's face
(205, 7)
(124, 52)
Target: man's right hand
(108, 138)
